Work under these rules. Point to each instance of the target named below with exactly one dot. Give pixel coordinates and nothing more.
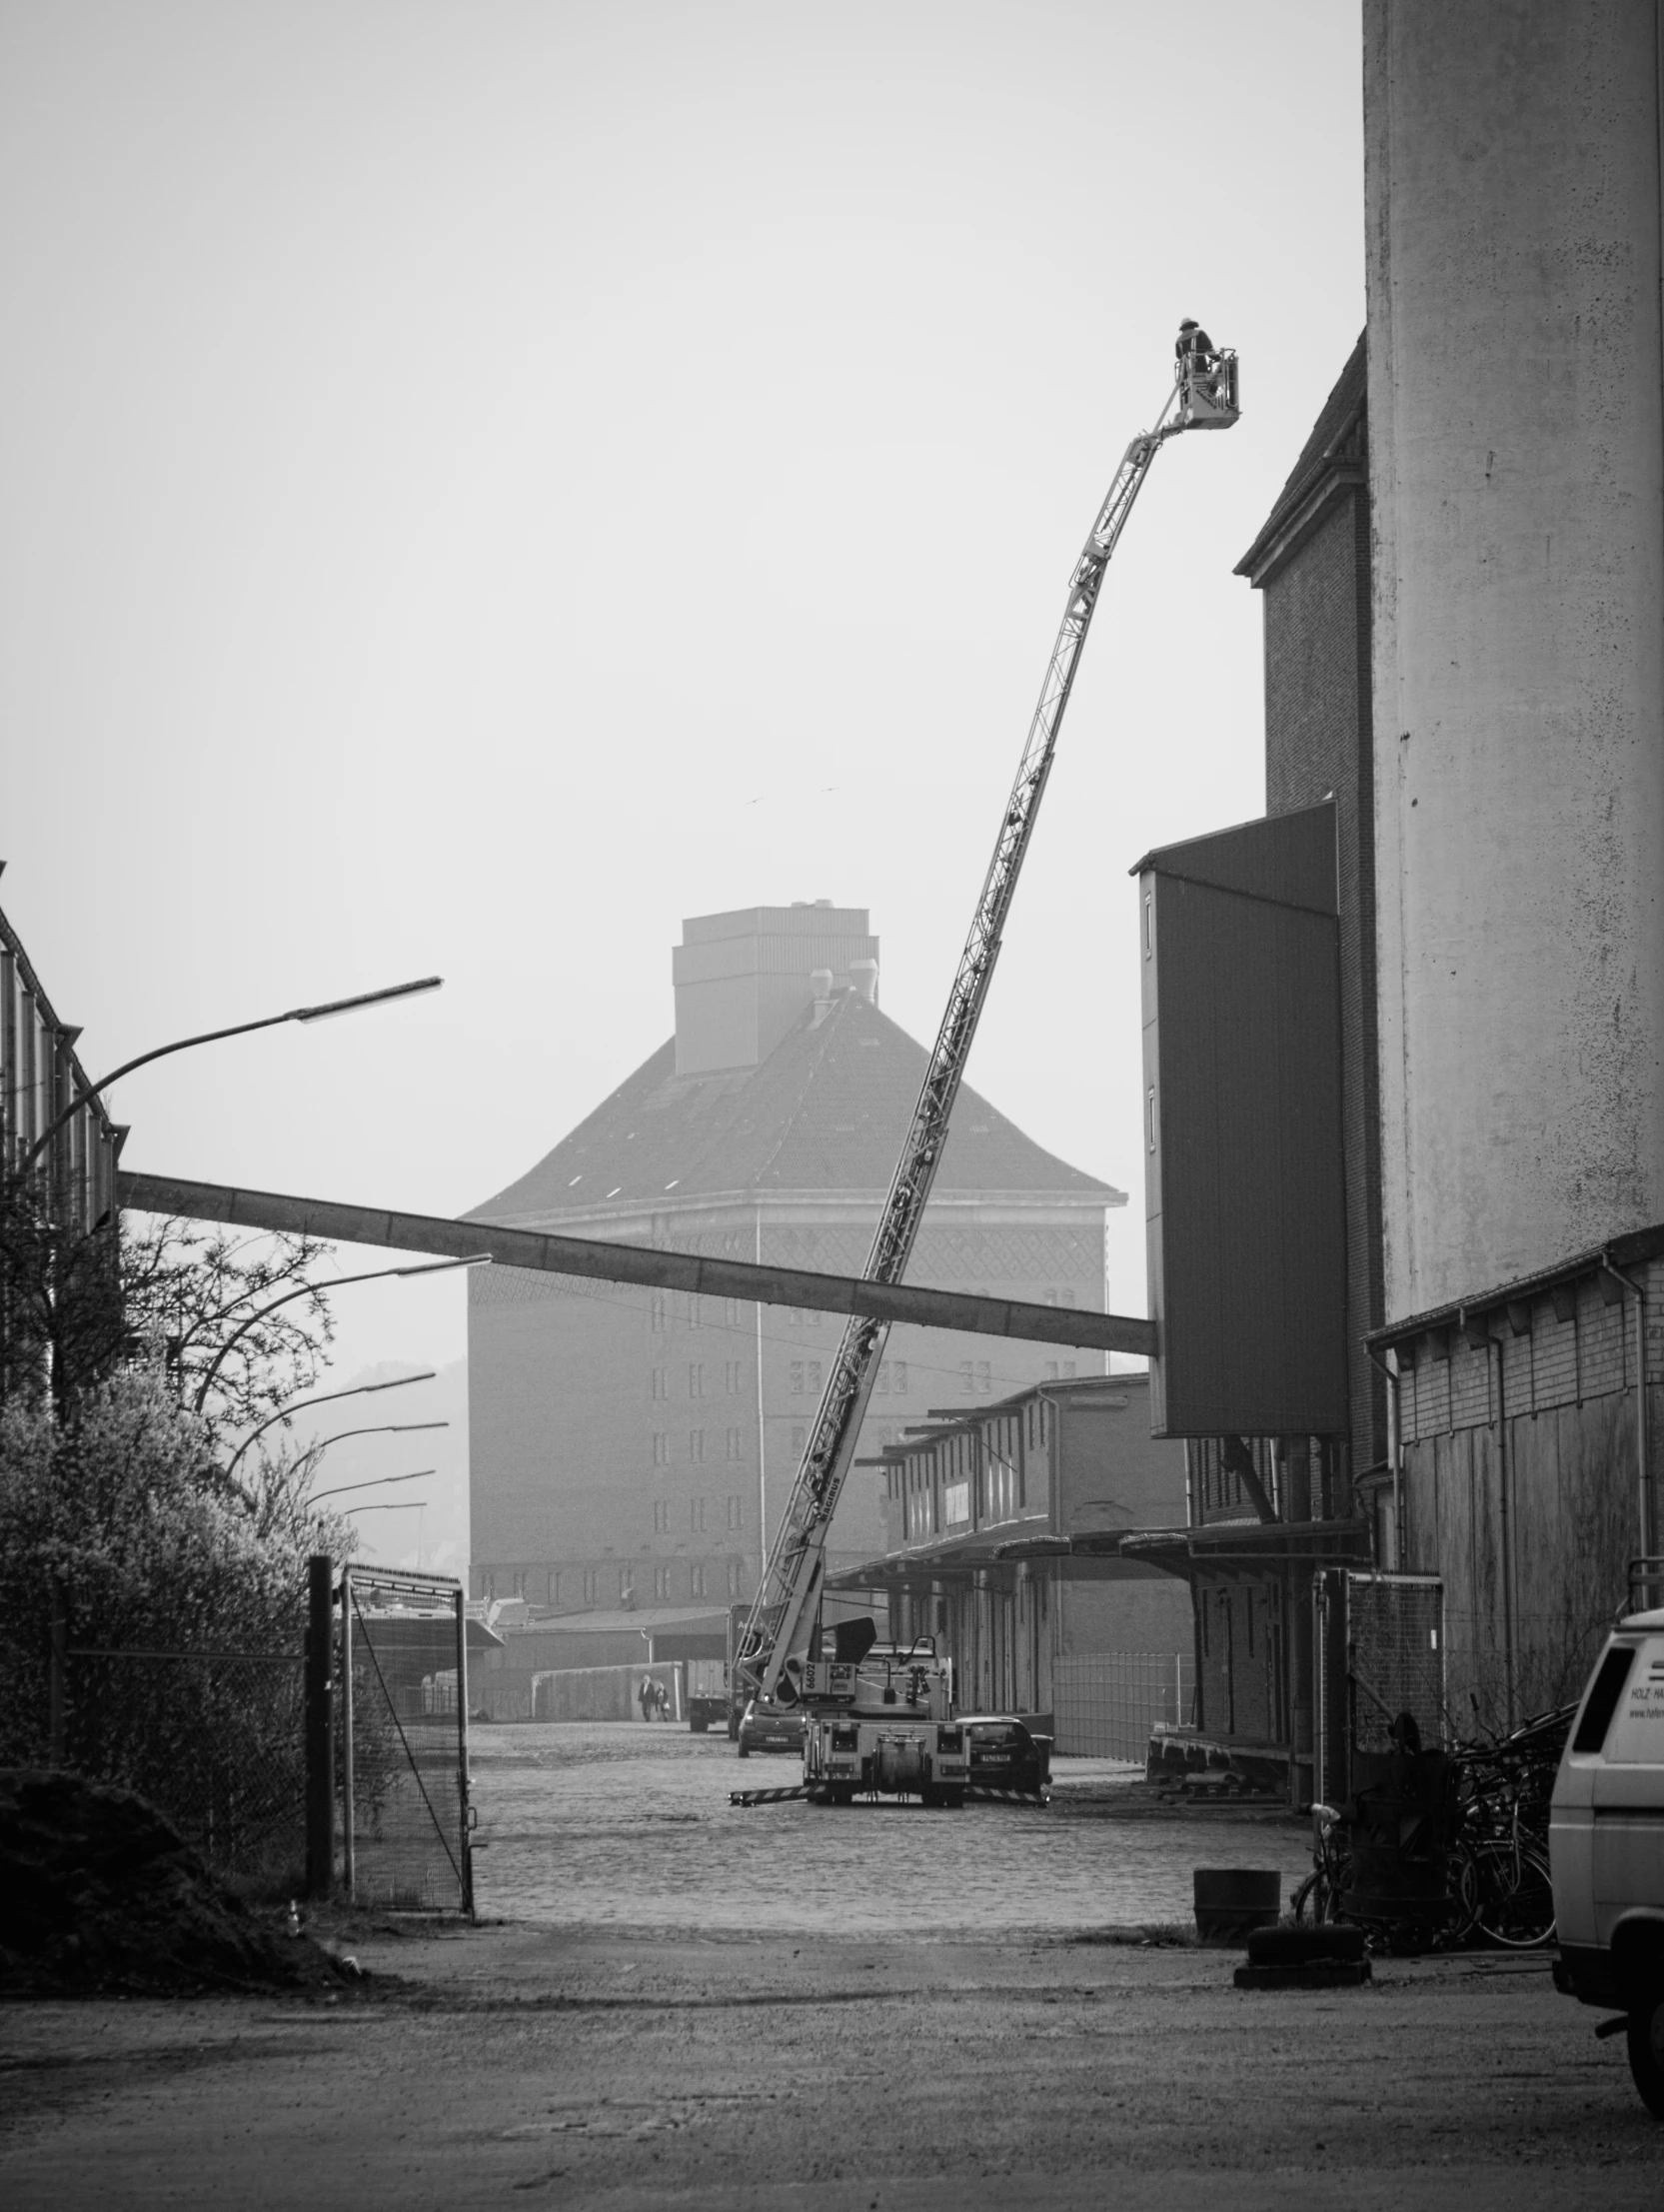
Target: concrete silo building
(1516, 473)
(634, 1448)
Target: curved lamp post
(212, 1036)
(338, 1283)
(329, 1397)
(380, 1483)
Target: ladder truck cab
(878, 1720)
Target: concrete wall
(1516, 459)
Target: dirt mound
(97, 1891)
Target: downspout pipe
(1643, 1471)
(1504, 1513)
(1395, 1454)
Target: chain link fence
(215, 1742)
(403, 1741)
(1379, 1641)
(1106, 1704)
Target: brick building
(634, 1448)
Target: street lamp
(328, 1397)
(338, 1283)
(212, 1036)
(380, 1483)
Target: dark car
(765, 1727)
(1006, 1754)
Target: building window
(696, 1447)
(661, 1383)
(660, 1581)
(627, 1585)
(592, 1585)
(731, 1312)
(736, 1446)
(695, 1515)
(1150, 1117)
(660, 1310)
(733, 1578)
(735, 1512)
(661, 1447)
(730, 1379)
(520, 1582)
(695, 1580)
(977, 1375)
(805, 1378)
(1057, 1370)
(660, 1516)
(695, 1379)
(1149, 925)
(695, 1316)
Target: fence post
(462, 1750)
(56, 1687)
(349, 1854)
(320, 1733)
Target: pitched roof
(827, 1110)
(1342, 412)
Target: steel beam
(647, 1264)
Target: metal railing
(1108, 1704)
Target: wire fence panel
(403, 1742)
(1106, 1704)
(1395, 1648)
(214, 1740)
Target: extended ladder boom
(783, 1614)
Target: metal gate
(1379, 1641)
(405, 1818)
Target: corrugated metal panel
(1245, 1191)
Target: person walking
(644, 1694)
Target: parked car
(1607, 1847)
(766, 1727)
(1006, 1753)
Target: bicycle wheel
(1466, 1894)
(1318, 1897)
(1516, 1902)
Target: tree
(236, 1324)
(62, 1320)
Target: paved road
(630, 1826)
(626, 2044)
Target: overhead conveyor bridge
(652, 1266)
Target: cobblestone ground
(630, 1826)
(695, 2009)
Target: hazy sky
(485, 481)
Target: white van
(1607, 1847)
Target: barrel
(1232, 1901)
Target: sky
(487, 481)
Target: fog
(487, 481)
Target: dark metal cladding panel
(1246, 1209)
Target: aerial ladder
(878, 1718)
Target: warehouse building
(632, 1449)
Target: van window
(1603, 1698)
(1636, 1737)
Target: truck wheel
(1646, 2050)
(698, 1726)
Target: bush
(123, 1516)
